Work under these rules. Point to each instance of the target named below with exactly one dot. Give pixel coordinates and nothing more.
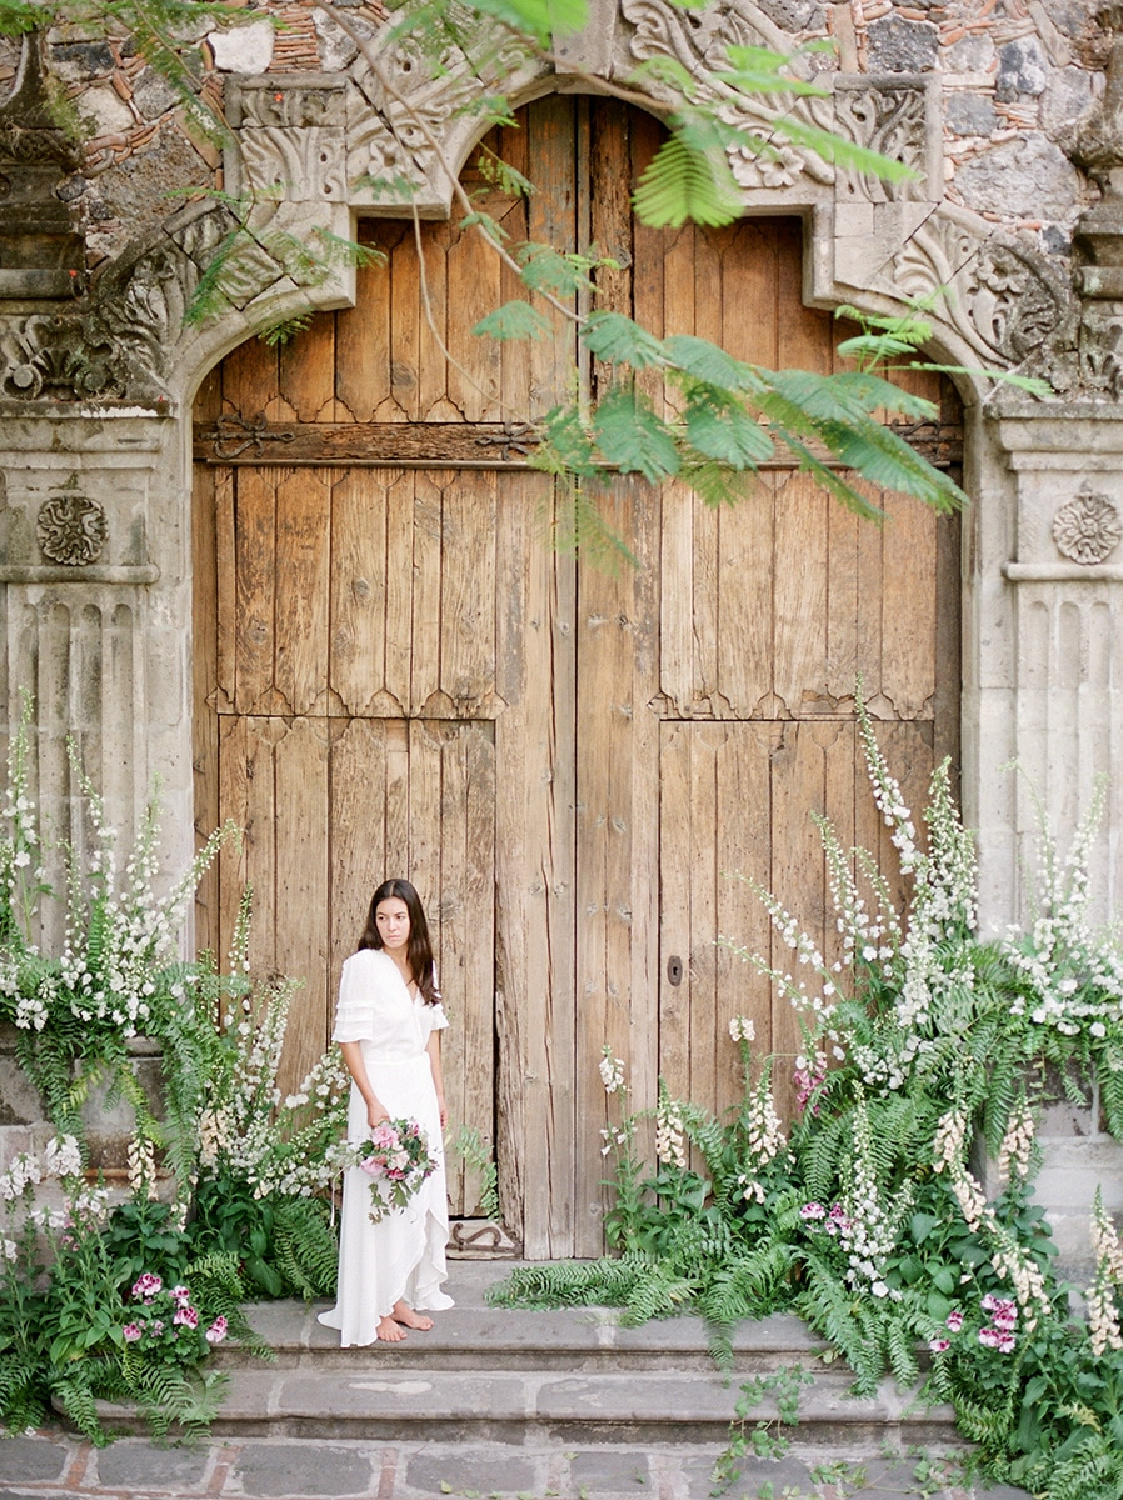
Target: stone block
(243, 49)
(37, 1459)
(973, 53)
(106, 111)
(482, 1470)
(279, 1468)
(1074, 1168)
(134, 1463)
(1030, 178)
(617, 1470)
(970, 114)
(898, 45)
(1022, 68)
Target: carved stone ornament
(889, 119)
(1088, 529)
(697, 41)
(71, 530)
(1011, 303)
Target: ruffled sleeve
(435, 1015)
(354, 1015)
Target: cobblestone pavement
(51, 1466)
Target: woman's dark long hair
(419, 948)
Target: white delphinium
(19, 851)
(887, 792)
(142, 1168)
(137, 931)
(1009, 1260)
(765, 1140)
(868, 1232)
(62, 1157)
(817, 1001)
(1103, 1307)
(611, 1071)
(23, 1172)
(670, 1136)
(1073, 974)
(1017, 1144)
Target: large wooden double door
(398, 672)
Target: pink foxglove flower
(938, 1346)
(186, 1317)
(812, 1211)
(955, 1320)
(132, 1332)
(147, 1286)
(182, 1295)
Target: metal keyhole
(674, 969)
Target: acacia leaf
(631, 436)
(619, 340)
(684, 183)
(514, 320)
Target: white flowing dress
(402, 1257)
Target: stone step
(529, 1406)
(570, 1376)
(466, 1337)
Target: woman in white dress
(388, 1025)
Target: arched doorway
(397, 671)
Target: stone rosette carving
(1087, 529)
(71, 530)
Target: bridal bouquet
(397, 1160)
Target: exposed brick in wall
(1016, 74)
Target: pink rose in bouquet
(396, 1158)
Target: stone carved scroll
(891, 118)
(1011, 304)
(697, 40)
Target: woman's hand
(376, 1113)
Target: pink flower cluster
(1003, 1318)
(836, 1221)
(146, 1289)
(807, 1080)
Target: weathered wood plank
(204, 613)
(467, 592)
(476, 938)
(362, 333)
(406, 317)
(677, 869)
(551, 219)
(301, 771)
(400, 491)
(357, 815)
(303, 568)
(908, 618)
(358, 588)
(428, 564)
(255, 562)
(307, 370)
(250, 379)
(223, 525)
(800, 596)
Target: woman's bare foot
(389, 1329)
(409, 1319)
